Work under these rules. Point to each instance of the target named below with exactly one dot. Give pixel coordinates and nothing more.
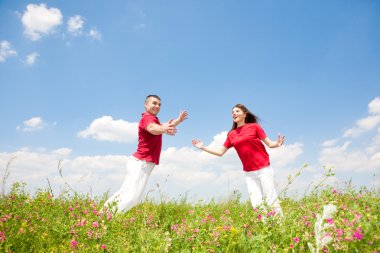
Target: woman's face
(238, 115)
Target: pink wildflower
(95, 224)
(104, 246)
(132, 219)
(330, 221)
(175, 227)
(196, 230)
(2, 236)
(291, 246)
(358, 234)
(339, 232)
(82, 222)
(227, 211)
(296, 239)
(74, 244)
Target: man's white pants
(260, 184)
(132, 189)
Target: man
(142, 162)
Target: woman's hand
(280, 140)
(197, 143)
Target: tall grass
(325, 220)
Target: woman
(247, 137)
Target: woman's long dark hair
(250, 118)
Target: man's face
(152, 105)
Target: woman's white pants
(260, 184)
(132, 189)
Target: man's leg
(130, 193)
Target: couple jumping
(246, 136)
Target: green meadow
(327, 219)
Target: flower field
(327, 220)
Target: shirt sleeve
(260, 132)
(227, 143)
(147, 120)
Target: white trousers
(132, 189)
(260, 184)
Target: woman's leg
(254, 188)
(269, 190)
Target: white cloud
(181, 170)
(375, 145)
(368, 123)
(95, 34)
(343, 158)
(351, 157)
(286, 155)
(75, 25)
(62, 152)
(108, 129)
(40, 20)
(6, 50)
(329, 143)
(83, 173)
(374, 160)
(191, 167)
(31, 58)
(218, 140)
(195, 171)
(33, 124)
(374, 106)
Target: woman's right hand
(197, 143)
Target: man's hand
(169, 128)
(183, 115)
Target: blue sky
(74, 75)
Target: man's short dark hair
(152, 96)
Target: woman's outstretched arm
(274, 144)
(199, 144)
